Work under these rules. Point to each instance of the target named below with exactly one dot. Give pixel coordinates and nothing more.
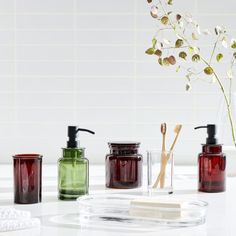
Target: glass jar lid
(124, 145)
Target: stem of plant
(226, 101)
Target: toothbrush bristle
(178, 128)
(163, 128)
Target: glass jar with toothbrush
(160, 165)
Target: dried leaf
(154, 42)
(178, 17)
(196, 58)
(179, 43)
(188, 87)
(224, 43)
(183, 55)
(150, 51)
(172, 60)
(233, 43)
(219, 56)
(218, 30)
(149, 1)
(166, 61)
(164, 20)
(154, 11)
(158, 53)
(198, 29)
(234, 55)
(208, 70)
(194, 36)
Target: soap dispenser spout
(73, 133)
(211, 132)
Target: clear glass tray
(112, 212)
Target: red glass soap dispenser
(211, 164)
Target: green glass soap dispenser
(73, 168)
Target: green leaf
(219, 56)
(158, 53)
(196, 58)
(154, 42)
(183, 55)
(164, 20)
(191, 50)
(208, 70)
(172, 60)
(177, 69)
(170, 2)
(233, 44)
(150, 51)
(179, 43)
(160, 61)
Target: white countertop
(220, 219)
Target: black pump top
(211, 131)
(72, 134)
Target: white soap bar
(156, 208)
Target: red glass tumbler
(27, 178)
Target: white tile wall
(76, 62)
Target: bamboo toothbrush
(163, 151)
(163, 131)
(161, 175)
(177, 130)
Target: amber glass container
(212, 166)
(123, 165)
(27, 178)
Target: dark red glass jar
(123, 165)
(212, 167)
(27, 178)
